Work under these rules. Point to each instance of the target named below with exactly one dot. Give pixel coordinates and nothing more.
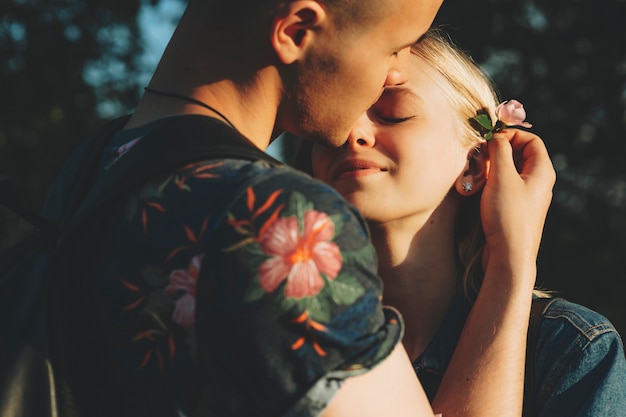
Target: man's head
(335, 57)
(345, 12)
(323, 62)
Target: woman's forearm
(485, 376)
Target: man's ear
(293, 28)
(474, 175)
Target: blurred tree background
(66, 66)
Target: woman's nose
(362, 134)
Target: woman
(416, 165)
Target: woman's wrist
(507, 271)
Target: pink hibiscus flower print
(300, 259)
(184, 280)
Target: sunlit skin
(344, 73)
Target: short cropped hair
(345, 13)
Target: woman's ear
(474, 175)
(294, 28)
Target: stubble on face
(320, 104)
(313, 97)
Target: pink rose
(512, 113)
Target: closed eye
(394, 120)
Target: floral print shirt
(239, 288)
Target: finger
(530, 156)
(500, 155)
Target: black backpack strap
(86, 167)
(538, 308)
(10, 199)
(81, 177)
(47, 226)
(176, 142)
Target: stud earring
(467, 186)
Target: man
(234, 288)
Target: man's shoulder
(231, 184)
(234, 174)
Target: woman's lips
(353, 168)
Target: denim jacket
(579, 369)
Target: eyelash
(394, 120)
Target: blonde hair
(468, 90)
(464, 85)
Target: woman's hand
(516, 199)
(492, 347)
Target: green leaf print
(298, 205)
(154, 276)
(366, 254)
(318, 307)
(345, 289)
(337, 220)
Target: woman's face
(402, 157)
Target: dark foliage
(46, 106)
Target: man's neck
(253, 114)
(192, 69)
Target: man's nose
(399, 70)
